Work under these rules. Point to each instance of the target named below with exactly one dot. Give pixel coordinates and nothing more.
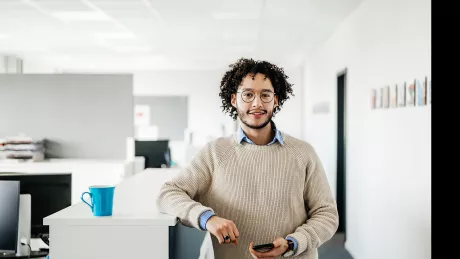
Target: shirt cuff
(293, 241)
(204, 217)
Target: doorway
(341, 151)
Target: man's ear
(276, 100)
(233, 101)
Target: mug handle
(82, 198)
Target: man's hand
(281, 245)
(221, 227)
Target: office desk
(85, 172)
(135, 230)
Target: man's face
(255, 101)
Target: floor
(334, 249)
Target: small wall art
(378, 100)
(386, 97)
(414, 92)
(394, 96)
(373, 98)
(402, 94)
(420, 90)
(410, 94)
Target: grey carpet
(334, 248)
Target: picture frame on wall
(386, 97)
(410, 100)
(373, 98)
(394, 96)
(402, 94)
(378, 99)
(420, 90)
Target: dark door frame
(341, 149)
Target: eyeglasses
(249, 96)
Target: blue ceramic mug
(101, 199)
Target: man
(258, 185)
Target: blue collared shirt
(242, 137)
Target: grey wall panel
(83, 116)
(169, 113)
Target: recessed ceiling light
(81, 16)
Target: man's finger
(219, 237)
(227, 237)
(254, 252)
(232, 235)
(279, 242)
(251, 251)
(235, 230)
(272, 253)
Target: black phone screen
(263, 247)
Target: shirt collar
(242, 137)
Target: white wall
(290, 118)
(388, 151)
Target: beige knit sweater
(268, 191)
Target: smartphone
(264, 247)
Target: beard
(244, 119)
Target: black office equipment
(156, 152)
(9, 216)
(33, 254)
(50, 193)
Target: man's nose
(257, 102)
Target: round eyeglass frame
(254, 97)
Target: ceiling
(165, 34)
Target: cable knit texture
(268, 191)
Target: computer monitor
(156, 152)
(9, 216)
(50, 193)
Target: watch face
(291, 245)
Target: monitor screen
(155, 152)
(9, 216)
(49, 193)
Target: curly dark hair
(240, 69)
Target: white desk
(136, 229)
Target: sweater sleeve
(178, 196)
(322, 222)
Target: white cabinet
(135, 230)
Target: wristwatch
(290, 250)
